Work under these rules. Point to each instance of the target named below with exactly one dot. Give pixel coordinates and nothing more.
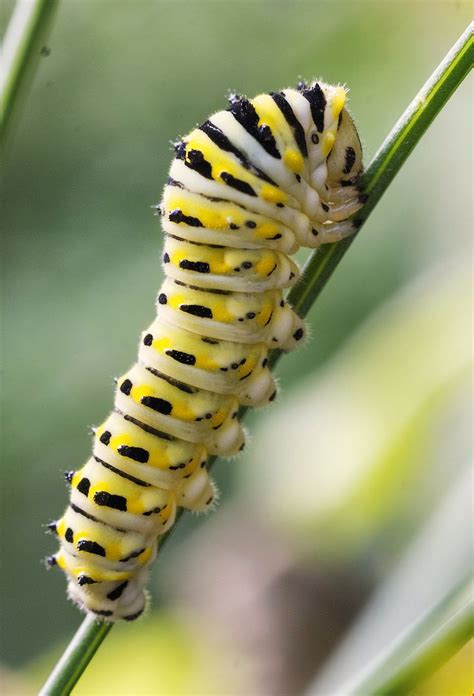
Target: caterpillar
(246, 190)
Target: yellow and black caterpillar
(246, 189)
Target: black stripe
(116, 502)
(197, 310)
(157, 404)
(181, 357)
(220, 139)
(244, 113)
(91, 547)
(178, 216)
(124, 475)
(237, 184)
(292, 121)
(196, 161)
(92, 518)
(147, 428)
(215, 291)
(317, 103)
(117, 592)
(134, 554)
(174, 382)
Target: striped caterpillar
(246, 189)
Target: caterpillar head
(332, 139)
(344, 163)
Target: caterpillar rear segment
(246, 189)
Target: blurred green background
(368, 434)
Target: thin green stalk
(422, 649)
(21, 51)
(316, 273)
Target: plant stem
(420, 650)
(21, 52)
(316, 273)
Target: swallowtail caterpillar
(245, 190)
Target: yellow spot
(328, 142)
(161, 344)
(61, 561)
(272, 194)
(294, 161)
(338, 101)
(145, 556)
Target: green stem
(422, 649)
(21, 52)
(316, 273)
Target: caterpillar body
(246, 189)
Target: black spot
(247, 264)
(138, 454)
(243, 361)
(85, 580)
(363, 198)
(51, 561)
(179, 356)
(233, 226)
(117, 592)
(244, 113)
(339, 120)
(178, 216)
(237, 270)
(265, 362)
(275, 236)
(117, 502)
(91, 547)
(105, 437)
(68, 476)
(241, 446)
(211, 341)
(197, 310)
(250, 315)
(126, 387)
(317, 103)
(293, 122)
(301, 85)
(298, 178)
(325, 207)
(224, 369)
(69, 535)
(349, 159)
(162, 299)
(315, 232)
(234, 366)
(298, 335)
(197, 162)
(251, 224)
(357, 223)
(280, 205)
(272, 397)
(166, 258)
(237, 184)
(83, 486)
(148, 340)
(198, 266)
(157, 404)
(282, 303)
(315, 138)
(209, 500)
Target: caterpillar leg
(334, 231)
